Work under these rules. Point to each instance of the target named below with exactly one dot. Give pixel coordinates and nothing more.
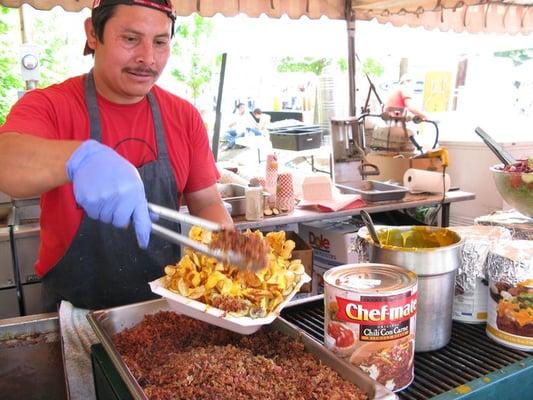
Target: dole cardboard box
(333, 242)
(304, 252)
(317, 281)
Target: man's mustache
(141, 71)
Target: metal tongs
(168, 214)
(503, 155)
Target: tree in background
(307, 64)
(54, 59)
(59, 56)
(518, 56)
(342, 63)
(194, 69)
(372, 68)
(10, 81)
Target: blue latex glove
(109, 188)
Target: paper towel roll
(418, 181)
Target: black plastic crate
(301, 138)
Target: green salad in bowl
(515, 184)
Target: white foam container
(215, 316)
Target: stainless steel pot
(436, 268)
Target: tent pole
(218, 114)
(23, 27)
(350, 27)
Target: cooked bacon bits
(176, 357)
(253, 249)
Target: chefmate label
(379, 318)
(370, 319)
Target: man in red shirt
(401, 98)
(396, 137)
(97, 148)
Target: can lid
(371, 278)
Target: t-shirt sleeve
(203, 171)
(406, 93)
(32, 114)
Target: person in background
(262, 120)
(401, 99)
(98, 148)
(398, 136)
(241, 124)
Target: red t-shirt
(397, 99)
(59, 112)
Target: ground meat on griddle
(175, 357)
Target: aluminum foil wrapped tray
(521, 227)
(510, 305)
(478, 240)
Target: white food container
(215, 316)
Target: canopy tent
(475, 16)
(314, 9)
(500, 16)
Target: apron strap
(94, 116)
(162, 152)
(92, 107)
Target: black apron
(104, 266)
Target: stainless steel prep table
(410, 201)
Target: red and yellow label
(376, 312)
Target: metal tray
(108, 322)
(234, 194)
(31, 358)
(378, 191)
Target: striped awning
(334, 9)
(475, 16)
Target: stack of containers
(271, 178)
(285, 192)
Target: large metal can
(370, 319)
(434, 254)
